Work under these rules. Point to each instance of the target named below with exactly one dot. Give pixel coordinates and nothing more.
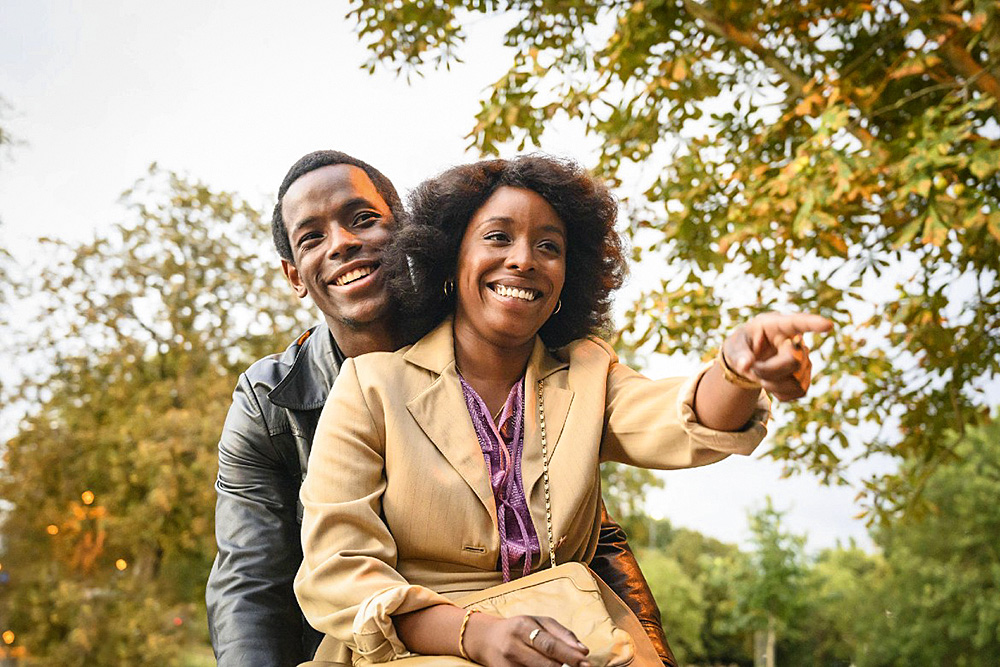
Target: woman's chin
(513, 336)
(500, 330)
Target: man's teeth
(356, 274)
(516, 293)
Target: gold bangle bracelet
(731, 376)
(461, 634)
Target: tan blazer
(399, 513)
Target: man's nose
(342, 241)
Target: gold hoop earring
(558, 307)
(448, 287)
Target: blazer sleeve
(652, 423)
(347, 584)
(252, 614)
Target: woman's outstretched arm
(768, 351)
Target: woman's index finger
(787, 326)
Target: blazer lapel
(441, 413)
(556, 400)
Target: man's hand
(523, 641)
(769, 349)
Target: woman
(426, 479)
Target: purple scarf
(502, 449)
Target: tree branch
(954, 52)
(747, 40)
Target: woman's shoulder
(379, 362)
(590, 348)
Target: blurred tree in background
(7, 272)
(932, 597)
(6, 139)
(715, 566)
(943, 568)
(840, 598)
(679, 598)
(108, 483)
(769, 589)
(838, 157)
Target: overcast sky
(232, 93)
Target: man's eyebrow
(358, 202)
(352, 203)
(304, 222)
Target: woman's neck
(490, 370)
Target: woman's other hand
(528, 641)
(768, 349)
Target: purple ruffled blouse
(502, 447)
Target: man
(333, 217)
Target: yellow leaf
(679, 72)
(907, 234)
(993, 225)
(935, 231)
(908, 69)
(838, 243)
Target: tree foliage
(940, 598)
(837, 157)
(681, 606)
(841, 597)
(6, 139)
(929, 596)
(108, 483)
(770, 591)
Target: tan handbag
(569, 593)
(577, 599)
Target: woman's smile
(514, 292)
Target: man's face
(337, 225)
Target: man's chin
(361, 317)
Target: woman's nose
(521, 257)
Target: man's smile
(355, 274)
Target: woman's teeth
(516, 292)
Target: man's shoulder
(268, 372)
(254, 407)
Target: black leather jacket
(253, 616)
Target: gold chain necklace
(545, 476)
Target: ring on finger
(797, 341)
(532, 635)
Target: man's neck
(354, 341)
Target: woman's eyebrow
(556, 229)
(497, 218)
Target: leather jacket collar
(308, 381)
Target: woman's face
(511, 268)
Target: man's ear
(294, 279)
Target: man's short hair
(318, 159)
